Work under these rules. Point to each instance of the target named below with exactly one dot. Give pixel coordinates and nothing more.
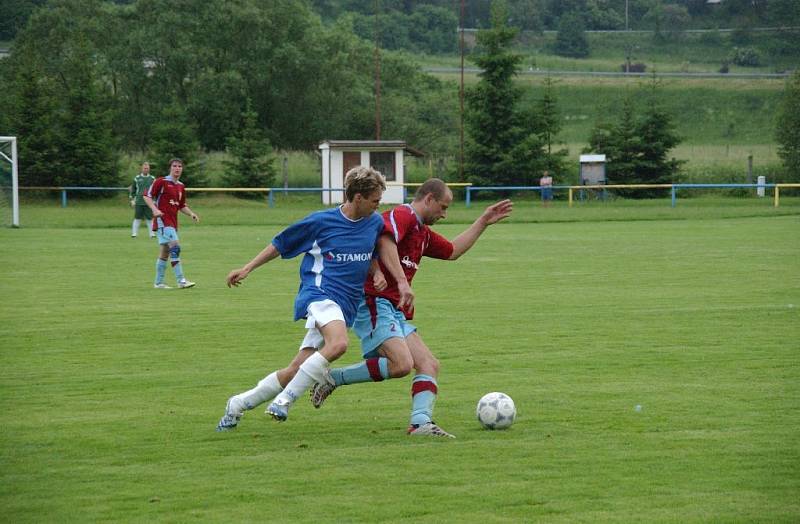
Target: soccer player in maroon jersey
(390, 345)
(166, 197)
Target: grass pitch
(110, 390)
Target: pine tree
(89, 151)
(34, 122)
(550, 126)
(174, 137)
(788, 128)
(637, 148)
(252, 159)
(571, 38)
(657, 137)
(503, 147)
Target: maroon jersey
(414, 240)
(169, 197)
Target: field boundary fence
(268, 191)
(576, 192)
(602, 188)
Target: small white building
(593, 169)
(387, 156)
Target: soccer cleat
(161, 286)
(319, 392)
(429, 429)
(278, 412)
(183, 284)
(230, 419)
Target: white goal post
(8, 152)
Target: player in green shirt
(141, 183)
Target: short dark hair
(432, 186)
(175, 160)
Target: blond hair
(364, 181)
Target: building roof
(371, 144)
(593, 158)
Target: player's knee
(428, 366)
(336, 348)
(401, 365)
(175, 251)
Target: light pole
(626, 15)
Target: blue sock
(176, 267)
(423, 395)
(370, 370)
(161, 267)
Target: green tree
(549, 128)
(788, 128)
(34, 120)
(657, 137)
(90, 151)
(174, 137)
(637, 146)
(503, 145)
(620, 142)
(571, 38)
(252, 161)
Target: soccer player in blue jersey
(338, 247)
(389, 342)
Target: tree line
(88, 79)
(176, 77)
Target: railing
(672, 187)
(270, 191)
(469, 188)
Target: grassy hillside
(690, 52)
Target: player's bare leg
(424, 389)
(312, 370)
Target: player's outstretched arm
(491, 215)
(236, 276)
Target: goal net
(9, 182)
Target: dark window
(383, 161)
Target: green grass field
(110, 390)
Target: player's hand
(497, 212)
(158, 213)
(133, 203)
(379, 281)
(236, 276)
(195, 218)
(406, 296)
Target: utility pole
(626, 15)
(377, 74)
(461, 94)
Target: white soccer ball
(496, 411)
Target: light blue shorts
(167, 234)
(377, 321)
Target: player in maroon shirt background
(166, 197)
(390, 345)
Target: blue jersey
(338, 252)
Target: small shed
(593, 169)
(387, 156)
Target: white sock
(266, 389)
(311, 371)
(135, 226)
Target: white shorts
(319, 314)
